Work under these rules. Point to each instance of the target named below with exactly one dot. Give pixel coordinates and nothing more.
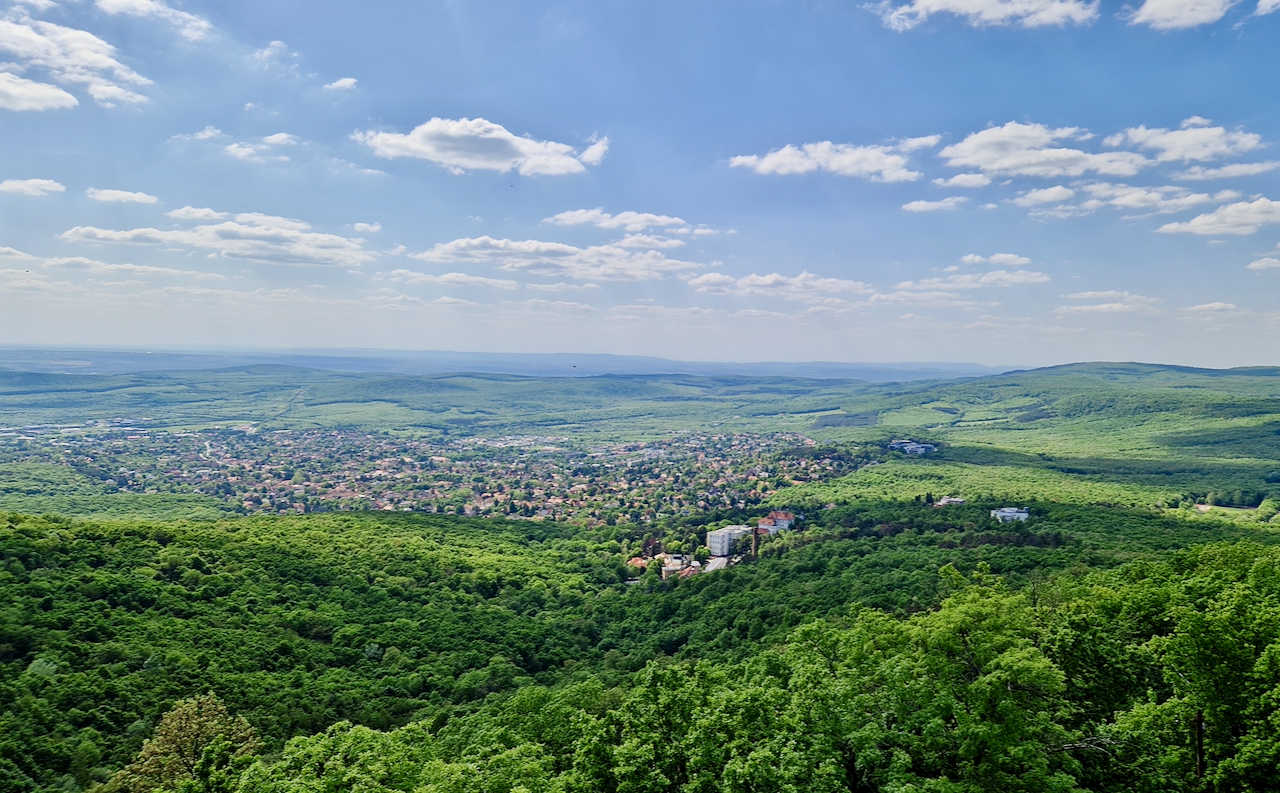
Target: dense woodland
(1125, 638)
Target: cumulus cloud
(190, 26)
(1265, 263)
(1152, 200)
(555, 259)
(805, 287)
(250, 236)
(1199, 173)
(368, 228)
(135, 270)
(33, 187)
(1002, 259)
(120, 196)
(450, 279)
(627, 221)
(19, 93)
(1026, 13)
(208, 132)
(877, 163)
(344, 84)
(1213, 307)
(258, 152)
(1193, 142)
(1244, 217)
(1120, 303)
(196, 213)
(477, 144)
(562, 287)
(1047, 195)
(964, 180)
(648, 241)
(269, 55)
(551, 305)
(1028, 150)
(976, 280)
(951, 202)
(1176, 14)
(69, 56)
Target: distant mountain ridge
(121, 361)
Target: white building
(1005, 514)
(720, 541)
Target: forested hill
(281, 397)
(270, 579)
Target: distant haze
(117, 361)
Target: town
(519, 477)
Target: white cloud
(1245, 217)
(951, 202)
(450, 279)
(255, 152)
(554, 259)
(71, 57)
(964, 180)
(562, 287)
(195, 213)
(251, 236)
(1175, 14)
(648, 241)
(120, 196)
(922, 142)
(269, 55)
(1002, 259)
(551, 305)
(190, 26)
(627, 221)
(34, 187)
(136, 270)
(805, 287)
(208, 132)
(1028, 150)
(1266, 7)
(1122, 303)
(877, 163)
(1047, 195)
(19, 93)
(1265, 263)
(1199, 173)
(1213, 307)
(1027, 13)
(1194, 142)
(345, 84)
(1154, 200)
(454, 301)
(594, 154)
(976, 280)
(478, 144)
(368, 228)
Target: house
(911, 447)
(1006, 514)
(718, 563)
(781, 519)
(720, 541)
(947, 501)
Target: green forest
(1126, 637)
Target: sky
(1008, 182)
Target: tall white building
(720, 541)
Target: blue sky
(1027, 182)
